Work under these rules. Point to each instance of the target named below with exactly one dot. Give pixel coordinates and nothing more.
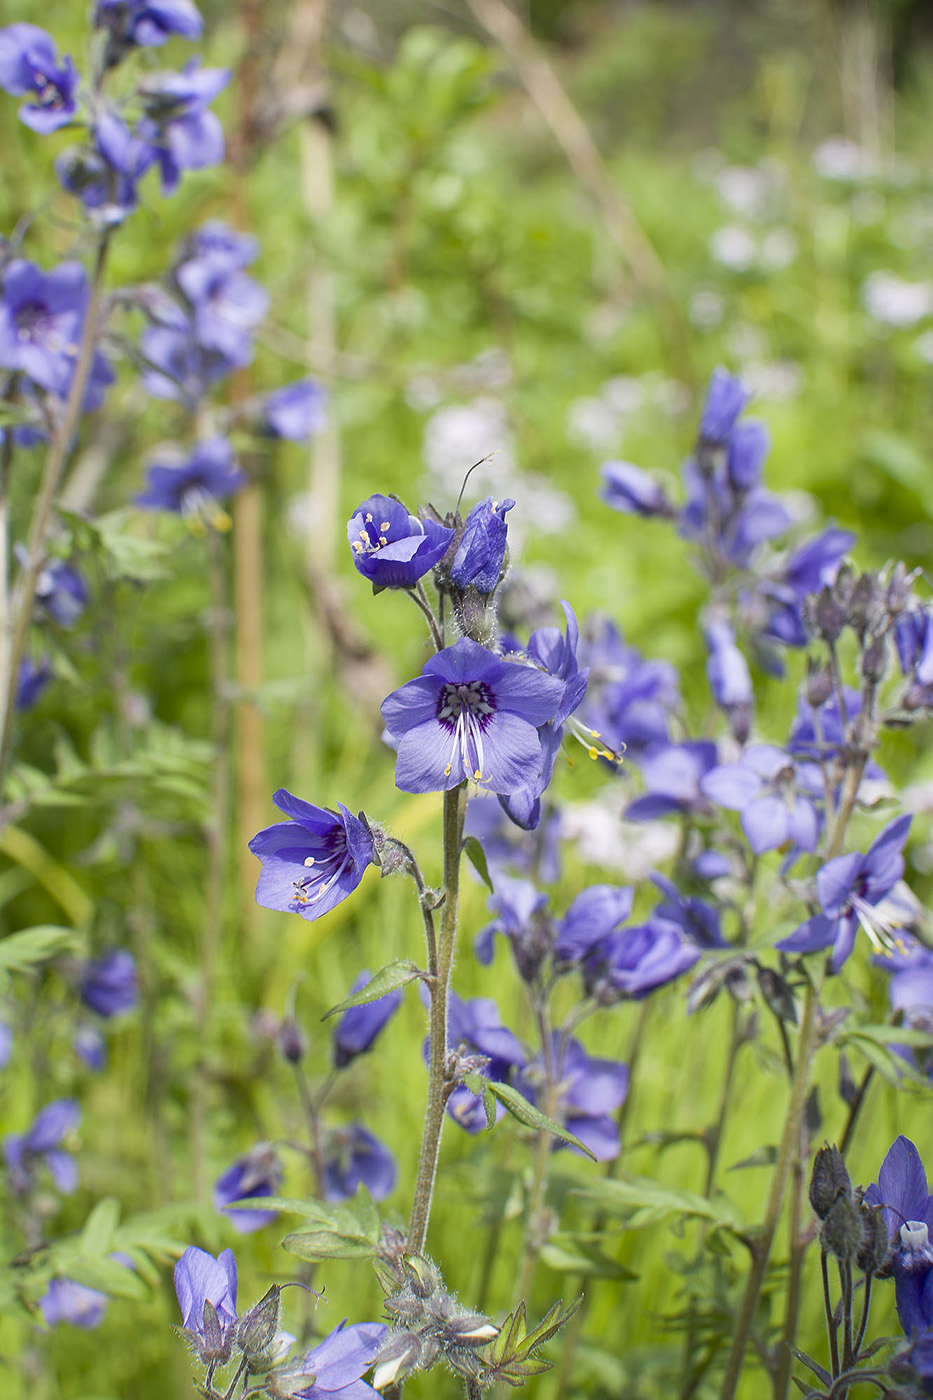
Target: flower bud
(257, 1331)
(842, 1230)
(829, 1180)
(400, 1355)
(819, 684)
(875, 1242)
(292, 1044)
(874, 660)
(824, 616)
(471, 1330)
(863, 605)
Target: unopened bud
(863, 605)
(819, 684)
(471, 1330)
(401, 1354)
(291, 1042)
(842, 1230)
(898, 590)
(423, 1275)
(824, 616)
(828, 1181)
(257, 1331)
(875, 1242)
(874, 660)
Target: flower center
(465, 709)
(34, 323)
(372, 536)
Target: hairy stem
(831, 1328)
(439, 1087)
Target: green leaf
(109, 1277)
(314, 1245)
(387, 979)
(477, 858)
(99, 1230)
(572, 1254)
(21, 951)
(894, 1068)
(651, 1201)
(350, 1230)
(882, 1034)
(526, 1113)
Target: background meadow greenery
(480, 303)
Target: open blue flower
(901, 1189)
(202, 1280)
(338, 1363)
(774, 794)
(470, 715)
(312, 863)
(294, 412)
(29, 68)
(67, 1301)
(25, 1152)
(146, 23)
(353, 1157)
(392, 548)
(177, 124)
(195, 487)
(110, 984)
(589, 1092)
(258, 1173)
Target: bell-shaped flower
(725, 399)
(901, 1189)
(177, 124)
(206, 1291)
(110, 983)
(392, 548)
(67, 1301)
(481, 552)
(589, 1092)
(337, 1365)
(353, 1157)
(633, 491)
(596, 912)
(775, 796)
(25, 1152)
(145, 23)
(29, 67)
(358, 1027)
(294, 412)
(258, 1173)
(312, 863)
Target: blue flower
(637, 959)
(145, 23)
(226, 303)
(311, 864)
(182, 132)
(901, 1189)
(392, 548)
(476, 1026)
(725, 399)
(104, 175)
(633, 491)
(61, 592)
(337, 1364)
(29, 67)
(193, 488)
(67, 1301)
(33, 679)
(589, 1092)
(6, 1044)
(774, 794)
(294, 412)
(359, 1026)
(24, 1152)
(90, 1047)
(110, 985)
(729, 677)
(596, 912)
(41, 321)
(206, 1292)
(672, 775)
(353, 1157)
(481, 551)
(470, 715)
(258, 1173)
(629, 700)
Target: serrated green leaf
(387, 979)
(477, 858)
(532, 1117)
(552, 1321)
(627, 1193)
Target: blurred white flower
(733, 246)
(592, 423)
(706, 308)
(458, 435)
(602, 838)
(744, 189)
(624, 393)
(776, 380)
(838, 158)
(778, 249)
(887, 298)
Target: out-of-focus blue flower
(470, 715)
(294, 412)
(110, 984)
(901, 1189)
(476, 1026)
(729, 677)
(61, 592)
(521, 918)
(353, 1157)
(629, 700)
(849, 887)
(226, 303)
(725, 399)
(312, 863)
(339, 1362)
(596, 912)
(507, 846)
(145, 23)
(90, 1047)
(811, 565)
(481, 551)
(195, 487)
(177, 124)
(671, 776)
(637, 959)
(67, 1301)
(913, 636)
(6, 1044)
(729, 523)
(633, 491)
(392, 548)
(697, 919)
(258, 1173)
(33, 679)
(910, 992)
(29, 68)
(41, 322)
(201, 1279)
(176, 366)
(359, 1026)
(775, 796)
(104, 174)
(25, 1152)
(589, 1092)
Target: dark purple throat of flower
(465, 708)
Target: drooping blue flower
(312, 863)
(392, 548)
(105, 173)
(476, 1026)
(470, 715)
(729, 677)
(353, 1157)
(29, 68)
(698, 919)
(338, 1363)
(110, 983)
(637, 959)
(358, 1027)
(589, 1092)
(258, 1173)
(775, 796)
(725, 399)
(24, 1153)
(176, 366)
(596, 912)
(848, 888)
(61, 592)
(226, 303)
(901, 1189)
(671, 775)
(67, 1301)
(634, 492)
(145, 23)
(521, 917)
(177, 124)
(41, 321)
(195, 487)
(481, 551)
(201, 1279)
(294, 412)
(32, 681)
(810, 566)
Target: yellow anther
(309, 860)
(369, 519)
(357, 546)
(221, 521)
(447, 771)
(477, 774)
(384, 525)
(593, 752)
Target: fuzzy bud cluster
(428, 1324)
(852, 1230)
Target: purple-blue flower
(25, 1152)
(775, 796)
(901, 1189)
(176, 366)
(671, 776)
(353, 1157)
(33, 679)
(729, 677)
(470, 715)
(481, 551)
(312, 863)
(226, 303)
(629, 700)
(104, 174)
(392, 548)
(29, 68)
(522, 918)
(258, 1173)
(359, 1026)
(294, 412)
(6, 1044)
(596, 912)
(476, 1026)
(61, 592)
(177, 124)
(589, 1092)
(109, 984)
(848, 888)
(195, 487)
(146, 23)
(201, 1279)
(41, 320)
(90, 1047)
(67, 1301)
(339, 1362)
(630, 489)
(637, 959)
(725, 399)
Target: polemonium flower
(507, 846)
(336, 1364)
(913, 636)
(470, 715)
(596, 912)
(294, 412)
(41, 1144)
(901, 1189)
(775, 796)
(226, 303)
(61, 592)
(177, 123)
(481, 552)
(258, 1173)
(725, 399)
(6, 1044)
(521, 917)
(110, 984)
(910, 992)
(637, 959)
(206, 1291)
(392, 548)
(32, 681)
(90, 1047)
(848, 888)
(729, 677)
(41, 319)
(671, 776)
(353, 1157)
(29, 68)
(589, 1091)
(629, 700)
(312, 863)
(358, 1027)
(475, 1027)
(176, 366)
(698, 919)
(145, 23)
(104, 174)
(195, 487)
(67, 1301)
(629, 489)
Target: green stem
(829, 1309)
(798, 1245)
(790, 1144)
(439, 1086)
